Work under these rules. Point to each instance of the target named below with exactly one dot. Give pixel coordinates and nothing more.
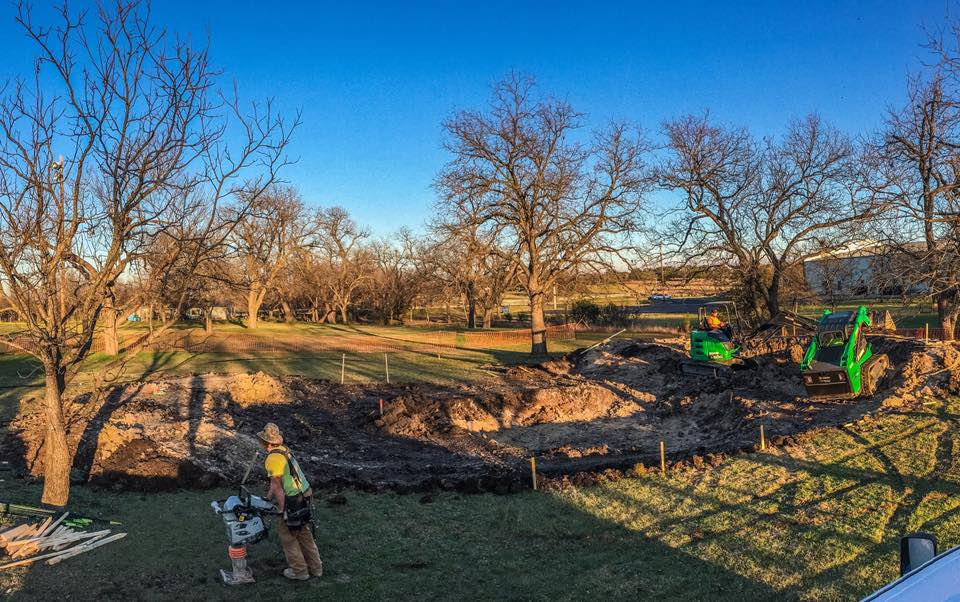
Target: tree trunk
(288, 316)
(208, 320)
(57, 457)
(948, 311)
(343, 312)
(471, 305)
(150, 317)
(111, 341)
(488, 317)
(754, 293)
(254, 300)
(773, 296)
(538, 328)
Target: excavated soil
(604, 408)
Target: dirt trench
(606, 408)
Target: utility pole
(663, 281)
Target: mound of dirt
(573, 403)
(417, 415)
(149, 436)
(250, 389)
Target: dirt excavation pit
(603, 408)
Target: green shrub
(585, 311)
(613, 315)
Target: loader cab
(833, 332)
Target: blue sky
(375, 80)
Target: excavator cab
(713, 351)
(840, 363)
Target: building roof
(866, 248)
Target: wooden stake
(43, 526)
(533, 471)
(11, 534)
(53, 527)
(926, 332)
(343, 367)
(10, 565)
(763, 440)
(381, 408)
(663, 460)
(386, 368)
(55, 557)
(85, 548)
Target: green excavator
(839, 362)
(716, 351)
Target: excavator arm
(802, 325)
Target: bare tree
(470, 258)
(119, 132)
(561, 204)
(761, 208)
(396, 281)
(919, 159)
(349, 262)
(313, 273)
(269, 232)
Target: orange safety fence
(934, 334)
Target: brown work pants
(299, 548)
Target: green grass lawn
(450, 365)
(818, 523)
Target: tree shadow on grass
(536, 547)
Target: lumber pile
(49, 540)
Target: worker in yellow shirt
(291, 492)
(721, 329)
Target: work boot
(289, 574)
(318, 572)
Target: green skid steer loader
(840, 363)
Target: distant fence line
(934, 334)
(427, 342)
(195, 341)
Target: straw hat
(271, 434)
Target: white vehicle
(924, 576)
(661, 297)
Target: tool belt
(296, 510)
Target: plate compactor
(840, 362)
(244, 515)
